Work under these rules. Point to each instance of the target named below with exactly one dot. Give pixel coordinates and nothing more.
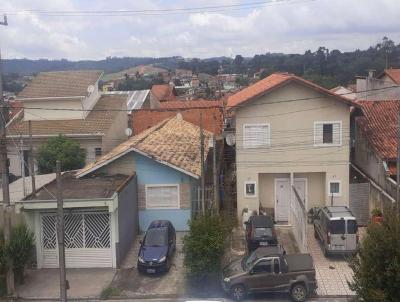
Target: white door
(301, 187)
(282, 199)
(87, 240)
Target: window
(328, 133)
(256, 135)
(97, 151)
(263, 266)
(337, 227)
(334, 188)
(250, 189)
(162, 197)
(277, 268)
(352, 227)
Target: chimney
(371, 73)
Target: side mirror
(251, 272)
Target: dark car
(269, 270)
(260, 231)
(157, 247)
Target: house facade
(166, 159)
(292, 142)
(100, 217)
(67, 103)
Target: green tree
(204, 245)
(377, 264)
(60, 148)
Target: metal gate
(298, 220)
(87, 239)
(359, 202)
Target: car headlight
(227, 280)
(141, 260)
(162, 259)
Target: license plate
(151, 270)
(263, 243)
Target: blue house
(167, 161)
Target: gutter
(374, 184)
(51, 98)
(54, 135)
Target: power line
(153, 12)
(200, 107)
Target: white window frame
(260, 146)
(255, 189)
(175, 206)
(328, 144)
(339, 194)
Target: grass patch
(109, 292)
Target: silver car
(337, 229)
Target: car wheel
(167, 265)
(238, 292)
(325, 251)
(298, 293)
(315, 234)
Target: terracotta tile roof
(200, 103)
(173, 141)
(394, 74)
(60, 84)
(379, 126)
(163, 92)
(272, 82)
(144, 119)
(97, 121)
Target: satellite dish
(128, 132)
(230, 139)
(90, 89)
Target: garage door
(87, 240)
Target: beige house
(67, 103)
(292, 146)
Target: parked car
(157, 247)
(260, 231)
(269, 270)
(337, 230)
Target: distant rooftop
(60, 84)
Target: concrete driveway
(131, 284)
(84, 283)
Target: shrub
(20, 249)
(204, 245)
(60, 148)
(109, 292)
(376, 212)
(377, 264)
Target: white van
(337, 229)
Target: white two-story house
(292, 145)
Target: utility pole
(22, 159)
(60, 235)
(398, 165)
(202, 164)
(31, 160)
(5, 178)
(215, 175)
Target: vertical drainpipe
(291, 196)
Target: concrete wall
(370, 88)
(150, 172)
(116, 133)
(39, 114)
(128, 219)
(292, 147)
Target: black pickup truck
(263, 272)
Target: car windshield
(248, 261)
(156, 237)
(337, 227)
(263, 232)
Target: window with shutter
(256, 135)
(162, 197)
(328, 133)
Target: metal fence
(200, 204)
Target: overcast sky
(288, 26)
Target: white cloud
(288, 27)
